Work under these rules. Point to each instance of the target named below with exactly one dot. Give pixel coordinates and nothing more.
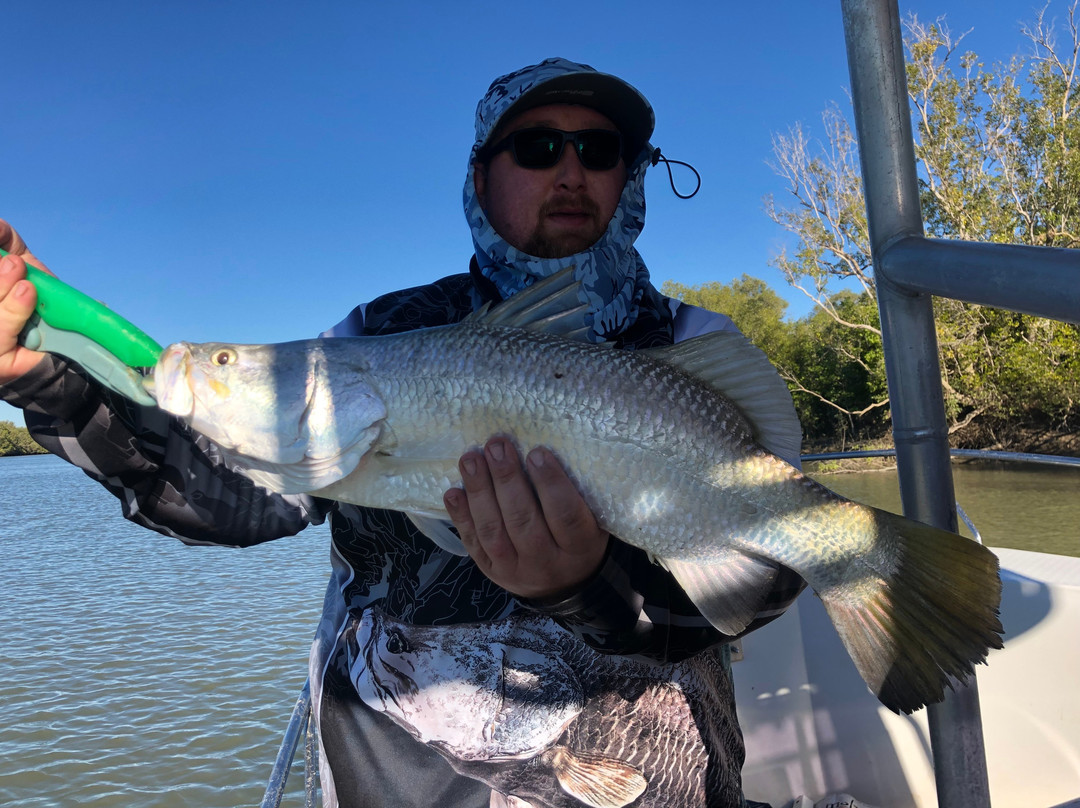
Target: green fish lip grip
(108, 347)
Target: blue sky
(249, 171)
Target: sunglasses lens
(598, 149)
(537, 148)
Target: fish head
(281, 413)
(469, 690)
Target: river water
(137, 672)
(1023, 506)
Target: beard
(545, 242)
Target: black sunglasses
(598, 149)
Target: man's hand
(528, 529)
(17, 300)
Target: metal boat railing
(908, 269)
(299, 726)
(972, 454)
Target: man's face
(550, 212)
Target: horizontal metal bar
(1044, 281)
(978, 454)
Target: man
(556, 178)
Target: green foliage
(757, 309)
(998, 156)
(1001, 366)
(15, 440)
(837, 373)
(830, 375)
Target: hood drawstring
(658, 157)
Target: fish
(543, 719)
(676, 450)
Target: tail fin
(914, 631)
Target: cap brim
(608, 94)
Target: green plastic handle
(108, 347)
(66, 308)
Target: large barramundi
(674, 449)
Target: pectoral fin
(438, 530)
(599, 781)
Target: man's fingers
(456, 503)
(9, 239)
(521, 513)
(17, 300)
(565, 511)
(12, 242)
(483, 503)
(529, 531)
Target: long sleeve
(167, 477)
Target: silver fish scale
(614, 418)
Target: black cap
(571, 83)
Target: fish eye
(225, 356)
(396, 642)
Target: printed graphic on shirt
(523, 706)
(403, 571)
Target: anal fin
(730, 590)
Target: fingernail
(22, 289)
(7, 264)
(497, 450)
(469, 464)
(536, 458)
(452, 501)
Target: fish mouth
(387, 682)
(174, 383)
(169, 381)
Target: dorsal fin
(738, 369)
(552, 305)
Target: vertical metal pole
(279, 775)
(879, 92)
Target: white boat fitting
(813, 728)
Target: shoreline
(854, 464)
(1028, 441)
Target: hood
(613, 276)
